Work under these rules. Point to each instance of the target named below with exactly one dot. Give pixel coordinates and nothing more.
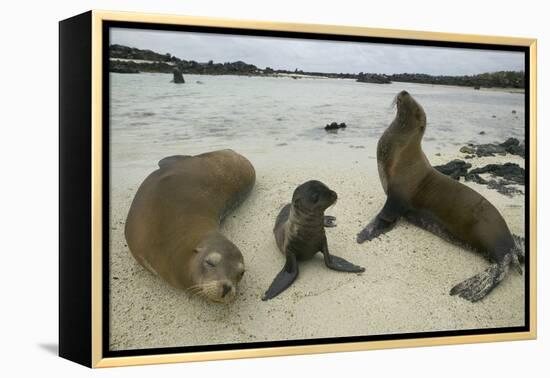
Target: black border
(75, 189)
(316, 36)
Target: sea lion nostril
(226, 289)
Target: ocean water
(152, 117)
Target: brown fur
(436, 202)
(173, 223)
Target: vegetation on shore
(124, 59)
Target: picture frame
(85, 151)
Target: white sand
(405, 287)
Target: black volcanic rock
(122, 67)
(372, 78)
(509, 174)
(506, 174)
(508, 171)
(178, 77)
(455, 169)
(335, 126)
(125, 52)
(514, 147)
(500, 79)
(510, 146)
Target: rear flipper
(478, 286)
(520, 247)
(330, 221)
(284, 279)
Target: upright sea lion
(172, 227)
(300, 233)
(437, 203)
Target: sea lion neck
(405, 131)
(306, 219)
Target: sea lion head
(313, 197)
(216, 269)
(410, 115)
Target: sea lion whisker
(192, 287)
(394, 102)
(194, 292)
(195, 288)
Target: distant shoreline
(124, 59)
(312, 77)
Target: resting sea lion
(437, 203)
(300, 233)
(172, 227)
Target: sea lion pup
(437, 203)
(300, 233)
(172, 227)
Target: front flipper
(284, 279)
(384, 221)
(375, 228)
(477, 287)
(330, 221)
(342, 265)
(338, 263)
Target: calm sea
(150, 115)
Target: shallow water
(151, 115)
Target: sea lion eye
(315, 197)
(213, 259)
(210, 263)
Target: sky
(319, 56)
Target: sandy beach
(404, 288)
(278, 124)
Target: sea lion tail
(516, 264)
(520, 247)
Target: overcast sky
(320, 56)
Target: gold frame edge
(98, 16)
(97, 192)
(533, 186)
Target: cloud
(321, 56)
